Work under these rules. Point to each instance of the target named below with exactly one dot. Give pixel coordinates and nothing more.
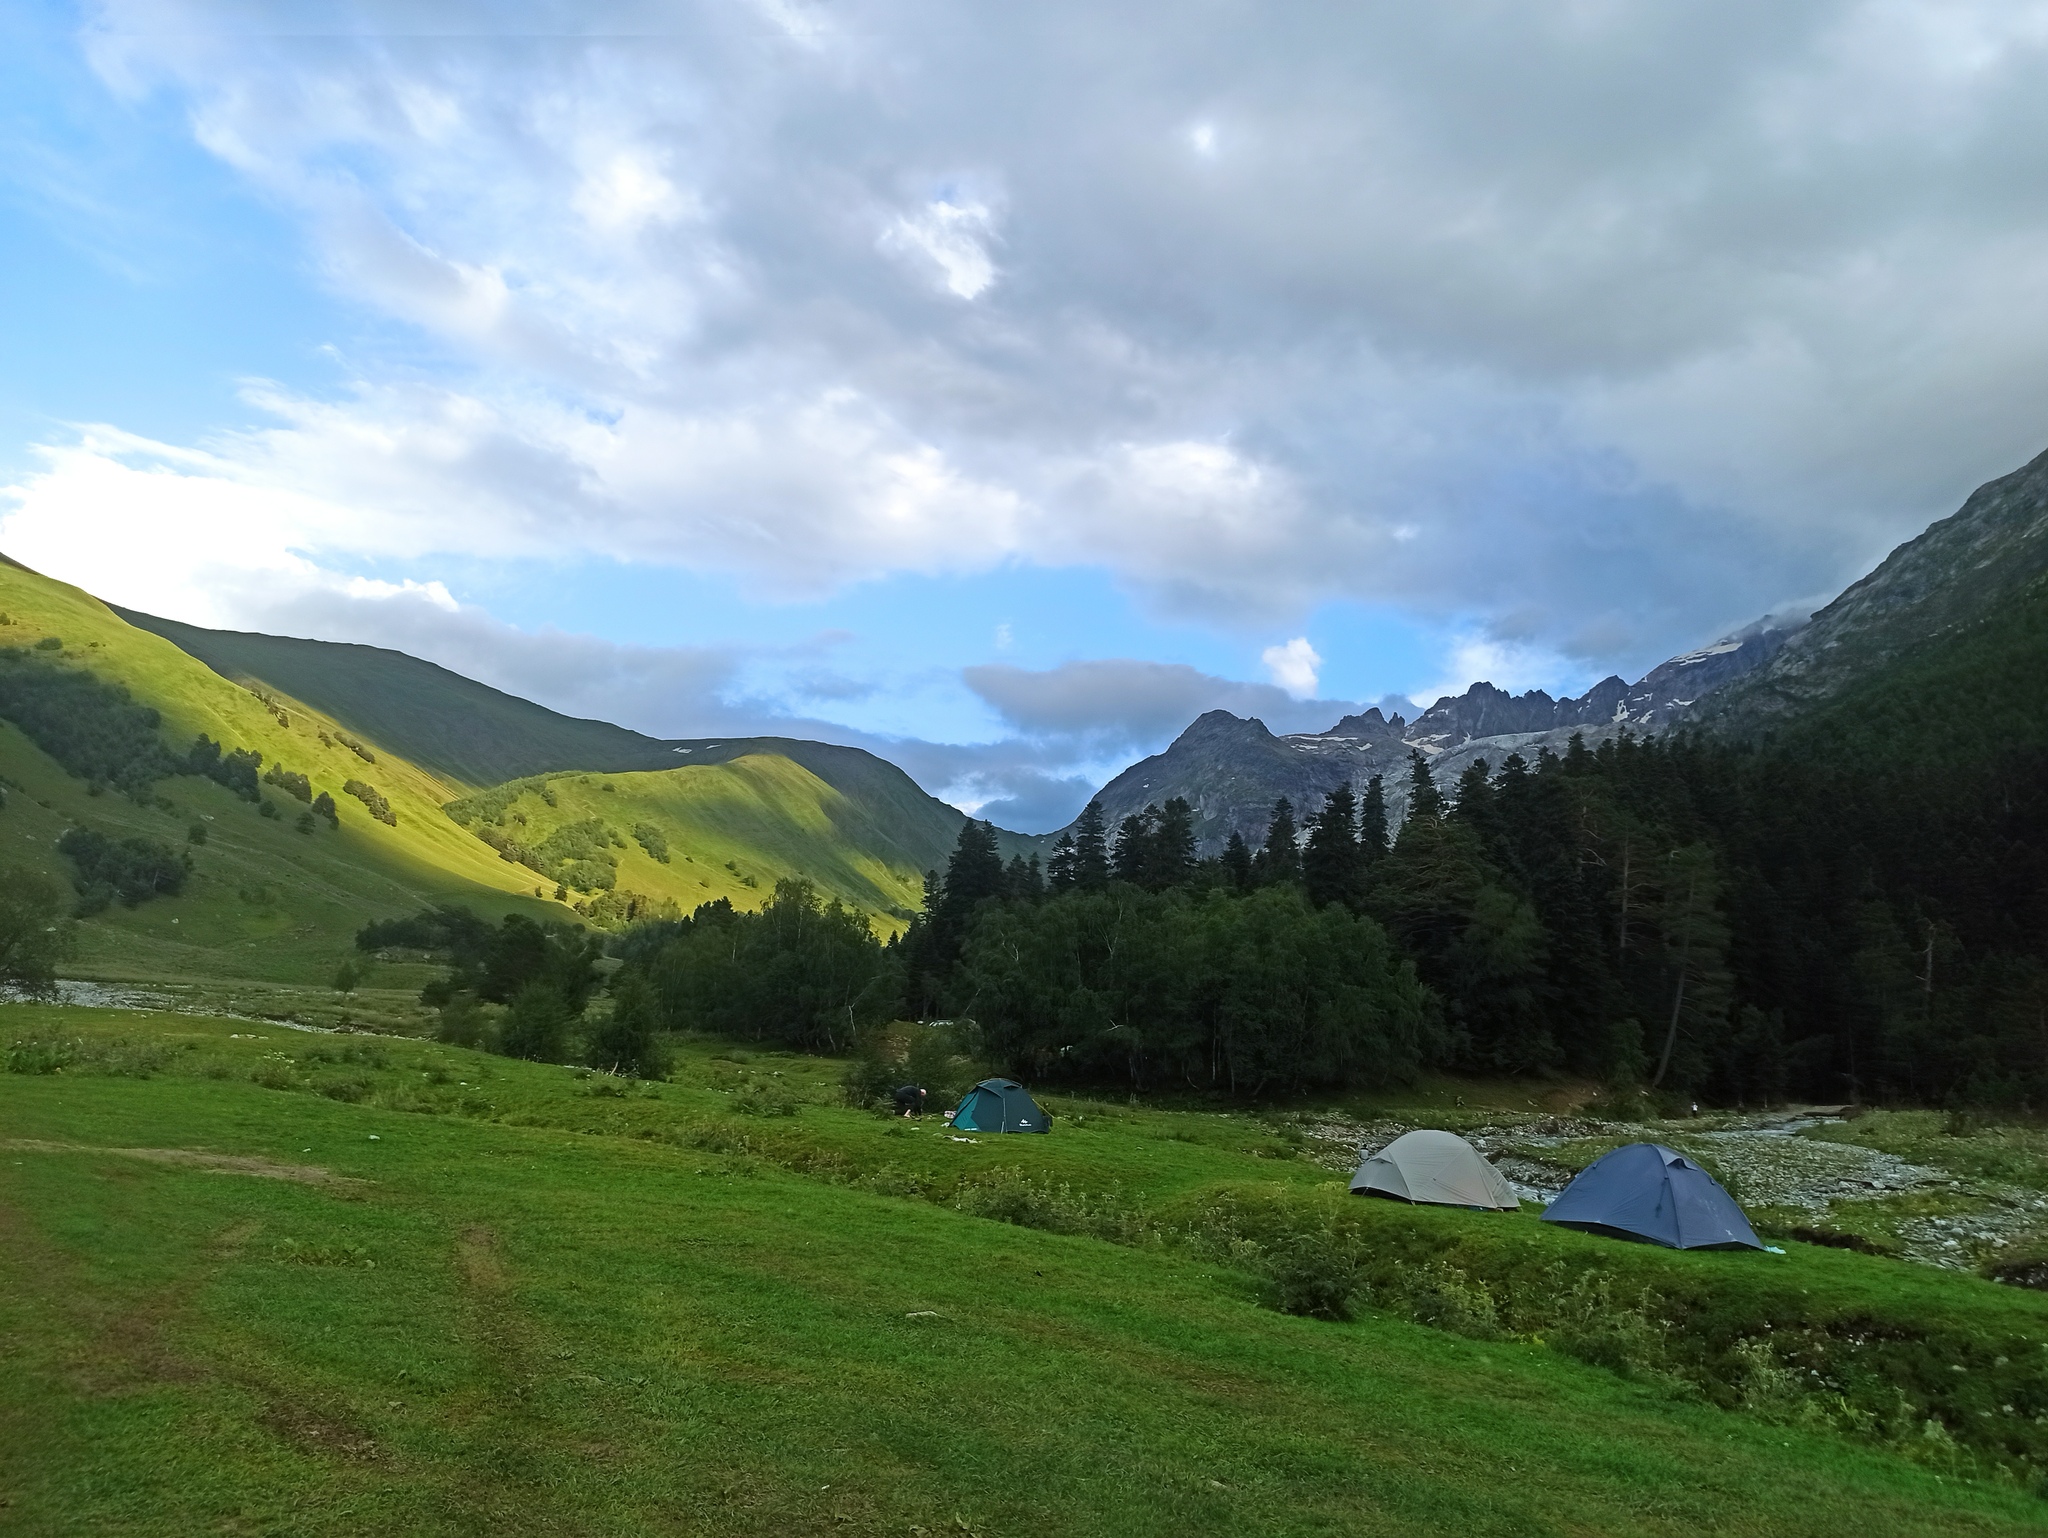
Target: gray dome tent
(1648, 1191)
(1000, 1105)
(1439, 1168)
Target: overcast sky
(1003, 385)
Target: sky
(999, 387)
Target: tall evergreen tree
(1372, 823)
(1131, 858)
(1279, 859)
(1330, 866)
(1023, 881)
(1237, 862)
(1174, 849)
(1091, 849)
(1424, 800)
(1060, 870)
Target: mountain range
(497, 801)
(1983, 567)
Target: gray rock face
(1231, 770)
(1960, 570)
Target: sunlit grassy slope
(398, 1287)
(267, 901)
(732, 830)
(467, 731)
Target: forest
(1679, 915)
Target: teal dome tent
(1000, 1105)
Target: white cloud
(953, 237)
(1293, 666)
(1511, 665)
(1633, 319)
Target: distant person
(910, 1099)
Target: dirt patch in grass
(316, 1431)
(195, 1158)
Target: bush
(117, 1058)
(626, 1041)
(764, 1097)
(651, 839)
(464, 1022)
(1315, 1273)
(236, 770)
(35, 937)
(297, 786)
(132, 869)
(373, 798)
(536, 1027)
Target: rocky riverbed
(1935, 1217)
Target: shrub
(34, 934)
(1315, 1273)
(323, 806)
(651, 839)
(627, 1041)
(294, 785)
(536, 1026)
(764, 1097)
(132, 869)
(373, 798)
(236, 770)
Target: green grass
(271, 904)
(733, 830)
(468, 732)
(544, 1309)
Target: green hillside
(267, 900)
(468, 732)
(693, 835)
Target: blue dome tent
(1000, 1105)
(1648, 1191)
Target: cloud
(1293, 666)
(1126, 703)
(1635, 319)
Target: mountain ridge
(1230, 769)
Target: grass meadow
(255, 1280)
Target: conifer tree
(1132, 858)
(1173, 849)
(1279, 859)
(1372, 823)
(1060, 870)
(1091, 850)
(1424, 800)
(1330, 865)
(1237, 862)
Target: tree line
(1681, 914)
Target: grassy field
(260, 1281)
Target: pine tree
(1022, 879)
(1424, 801)
(1330, 865)
(1133, 858)
(1372, 823)
(1091, 850)
(1059, 871)
(1173, 850)
(1237, 862)
(1279, 859)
